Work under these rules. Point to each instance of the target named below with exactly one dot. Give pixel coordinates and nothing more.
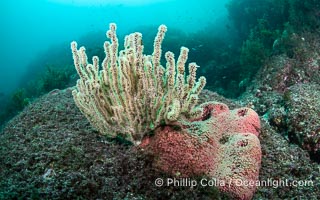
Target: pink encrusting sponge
(222, 144)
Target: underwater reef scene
(227, 109)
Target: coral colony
(133, 95)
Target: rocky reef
(51, 151)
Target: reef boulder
(303, 121)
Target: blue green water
(29, 28)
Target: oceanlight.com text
(204, 182)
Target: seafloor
(50, 151)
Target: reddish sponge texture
(180, 152)
(219, 144)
